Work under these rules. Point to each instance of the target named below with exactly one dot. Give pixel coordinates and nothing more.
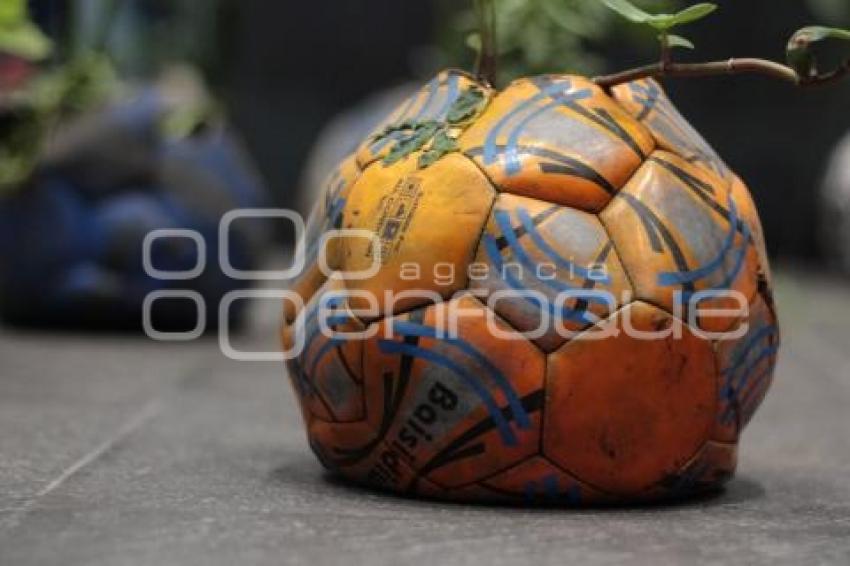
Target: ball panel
(679, 232)
(713, 466)
(558, 139)
(746, 369)
(461, 407)
(431, 102)
(326, 371)
(537, 481)
(625, 411)
(429, 223)
(647, 101)
(326, 215)
(533, 246)
(749, 214)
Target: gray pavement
(116, 450)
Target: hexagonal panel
(647, 101)
(559, 139)
(678, 232)
(431, 102)
(534, 246)
(454, 406)
(429, 222)
(625, 411)
(746, 369)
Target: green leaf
(24, 40)
(662, 22)
(12, 12)
(421, 135)
(679, 41)
(628, 11)
(442, 145)
(799, 51)
(694, 13)
(467, 106)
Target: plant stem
(487, 65)
(718, 68)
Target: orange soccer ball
(548, 294)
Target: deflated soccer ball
(548, 294)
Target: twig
(719, 68)
(487, 65)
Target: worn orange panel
(431, 102)
(624, 412)
(647, 102)
(457, 408)
(560, 139)
(678, 233)
(429, 220)
(749, 215)
(559, 253)
(710, 468)
(746, 370)
(538, 481)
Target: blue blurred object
(71, 240)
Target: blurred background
(123, 116)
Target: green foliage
(437, 139)
(663, 23)
(540, 36)
(800, 51)
(679, 41)
(18, 35)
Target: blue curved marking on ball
(451, 96)
(411, 329)
(330, 321)
(735, 380)
(669, 279)
(680, 277)
(472, 381)
(531, 230)
(333, 219)
(495, 256)
(490, 148)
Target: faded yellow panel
(678, 232)
(326, 215)
(429, 220)
(559, 139)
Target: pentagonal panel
(746, 369)
(678, 233)
(428, 221)
(561, 254)
(431, 103)
(455, 407)
(627, 409)
(325, 372)
(647, 101)
(558, 139)
(538, 481)
(326, 215)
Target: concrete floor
(118, 450)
